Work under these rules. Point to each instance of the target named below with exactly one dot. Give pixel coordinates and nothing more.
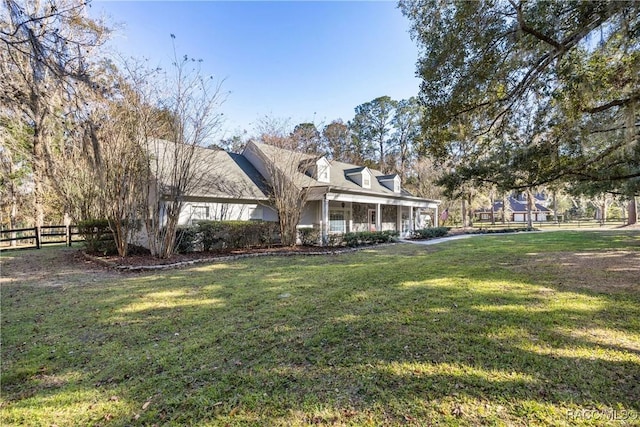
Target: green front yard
(526, 329)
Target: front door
(372, 220)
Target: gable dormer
(323, 170)
(318, 169)
(392, 182)
(361, 176)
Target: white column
(411, 219)
(350, 217)
(437, 218)
(324, 226)
(399, 220)
(378, 217)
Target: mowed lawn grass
(520, 329)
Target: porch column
(399, 220)
(324, 226)
(411, 220)
(437, 218)
(378, 217)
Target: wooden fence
(35, 237)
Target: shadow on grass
(394, 335)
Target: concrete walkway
(466, 236)
(440, 239)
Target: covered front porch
(340, 212)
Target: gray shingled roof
(219, 174)
(340, 179)
(339, 174)
(515, 205)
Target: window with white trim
(337, 222)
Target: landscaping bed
(148, 262)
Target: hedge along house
(343, 197)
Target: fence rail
(35, 237)
(569, 224)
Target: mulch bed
(148, 262)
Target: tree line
(515, 96)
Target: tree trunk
(504, 209)
(555, 207)
(632, 212)
(38, 180)
(470, 214)
(464, 212)
(529, 208)
(493, 216)
(13, 214)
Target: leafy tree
(361, 150)
(406, 127)
(234, 143)
(574, 66)
(14, 173)
(373, 123)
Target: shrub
(369, 237)
(504, 230)
(211, 235)
(244, 234)
(309, 236)
(98, 237)
(220, 235)
(430, 233)
(186, 239)
(335, 240)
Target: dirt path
(50, 266)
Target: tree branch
(532, 31)
(611, 104)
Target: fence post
(37, 230)
(68, 234)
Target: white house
(342, 197)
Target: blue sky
(303, 61)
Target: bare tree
(120, 160)
(179, 166)
(424, 177)
(44, 48)
(284, 167)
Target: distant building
(515, 210)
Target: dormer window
(392, 182)
(361, 176)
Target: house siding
(222, 211)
